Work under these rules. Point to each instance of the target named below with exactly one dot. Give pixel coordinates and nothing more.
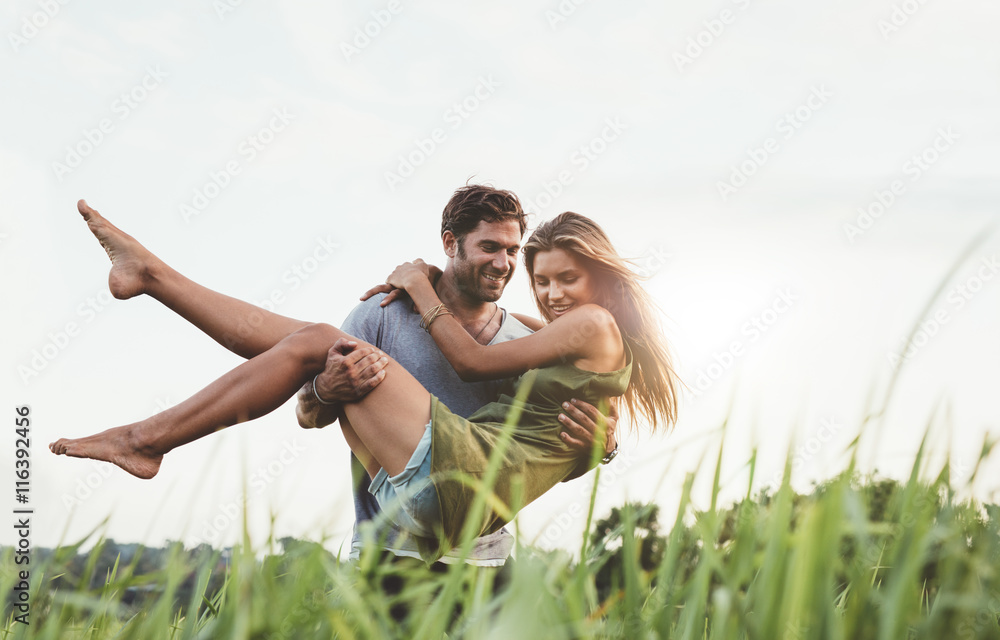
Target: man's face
(484, 260)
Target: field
(858, 557)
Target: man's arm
(311, 413)
(351, 373)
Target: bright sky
(796, 178)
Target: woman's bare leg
(389, 421)
(243, 328)
(357, 446)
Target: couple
(427, 462)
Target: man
(481, 230)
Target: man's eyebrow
(494, 243)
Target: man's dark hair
(474, 203)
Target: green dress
(534, 457)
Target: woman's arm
(587, 337)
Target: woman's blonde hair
(652, 390)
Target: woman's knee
(312, 343)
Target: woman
(601, 341)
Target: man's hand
(351, 373)
(583, 423)
(432, 273)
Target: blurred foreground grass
(856, 558)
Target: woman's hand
(404, 278)
(433, 273)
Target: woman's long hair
(652, 390)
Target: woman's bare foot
(114, 445)
(131, 262)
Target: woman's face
(561, 282)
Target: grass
(858, 557)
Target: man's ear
(450, 243)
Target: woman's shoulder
(595, 317)
(595, 329)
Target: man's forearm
(311, 413)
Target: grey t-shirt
(396, 330)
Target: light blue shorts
(409, 497)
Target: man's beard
(469, 280)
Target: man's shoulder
(368, 320)
(372, 307)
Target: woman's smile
(561, 282)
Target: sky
(796, 180)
